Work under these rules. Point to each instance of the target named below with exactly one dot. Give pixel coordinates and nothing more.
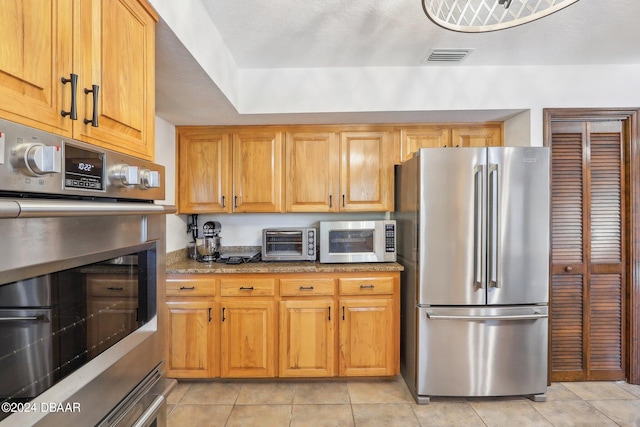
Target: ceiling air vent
(446, 55)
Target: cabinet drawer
(247, 287)
(111, 285)
(366, 286)
(308, 287)
(191, 286)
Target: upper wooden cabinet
(339, 172)
(111, 53)
(411, 140)
(116, 53)
(366, 171)
(434, 136)
(257, 172)
(312, 165)
(477, 136)
(36, 52)
(220, 171)
(305, 168)
(204, 171)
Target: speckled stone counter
(190, 266)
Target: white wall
(165, 155)
(381, 89)
(517, 131)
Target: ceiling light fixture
(477, 16)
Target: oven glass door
(285, 243)
(53, 324)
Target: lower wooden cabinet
(190, 339)
(366, 346)
(247, 344)
(307, 338)
(297, 325)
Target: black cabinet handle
(112, 288)
(209, 314)
(329, 313)
(73, 113)
(94, 118)
(343, 202)
(367, 286)
(190, 288)
(243, 288)
(223, 202)
(223, 318)
(306, 288)
(343, 312)
(330, 201)
(235, 202)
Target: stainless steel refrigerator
(473, 238)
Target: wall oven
(82, 254)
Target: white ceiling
(375, 33)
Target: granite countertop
(181, 265)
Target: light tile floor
(388, 403)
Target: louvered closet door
(587, 251)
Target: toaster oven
(289, 244)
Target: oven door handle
(39, 208)
(20, 318)
(151, 413)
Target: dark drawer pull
(306, 288)
(367, 286)
(243, 288)
(184, 288)
(110, 288)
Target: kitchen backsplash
(246, 229)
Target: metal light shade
(475, 16)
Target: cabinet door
(257, 172)
(36, 53)
(247, 338)
(312, 168)
(190, 339)
(366, 171)
(204, 171)
(116, 52)
(411, 140)
(477, 136)
(366, 337)
(307, 338)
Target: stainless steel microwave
(357, 241)
(289, 244)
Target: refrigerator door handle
(477, 221)
(499, 317)
(493, 226)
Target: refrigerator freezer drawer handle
(505, 317)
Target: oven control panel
(33, 161)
